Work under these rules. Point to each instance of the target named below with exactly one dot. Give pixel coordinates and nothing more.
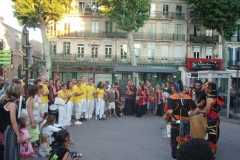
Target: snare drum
(198, 125)
(53, 109)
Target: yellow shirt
(44, 98)
(90, 91)
(82, 88)
(69, 93)
(76, 99)
(100, 93)
(61, 94)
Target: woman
(213, 119)
(100, 102)
(62, 107)
(140, 96)
(69, 103)
(56, 88)
(49, 128)
(60, 149)
(159, 101)
(11, 135)
(32, 107)
(179, 104)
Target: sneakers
(78, 123)
(82, 119)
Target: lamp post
(93, 46)
(116, 77)
(155, 95)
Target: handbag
(59, 101)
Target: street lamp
(94, 47)
(135, 76)
(155, 88)
(116, 77)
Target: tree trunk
(46, 50)
(225, 56)
(131, 48)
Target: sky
(6, 12)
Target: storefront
(199, 64)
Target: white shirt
(50, 129)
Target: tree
(39, 14)
(129, 16)
(219, 15)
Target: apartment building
(84, 43)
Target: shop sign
(204, 65)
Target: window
(94, 6)
(209, 32)
(81, 6)
(209, 52)
(197, 30)
(123, 51)
(95, 28)
(108, 26)
(177, 54)
(53, 29)
(164, 56)
(80, 50)
(165, 11)
(152, 10)
(179, 8)
(196, 52)
(67, 28)
(52, 47)
(137, 49)
(151, 53)
(108, 51)
(165, 29)
(66, 47)
(17, 43)
(178, 32)
(94, 52)
(67, 9)
(152, 30)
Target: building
(10, 39)
(84, 42)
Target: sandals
(34, 156)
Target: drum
(53, 109)
(198, 126)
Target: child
(151, 103)
(44, 148)
(111, 102)
(44, 120)
(26, 149)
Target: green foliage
(33, 12)
(127, 14)
(217, 14)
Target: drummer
(179, 104)
(200, 95)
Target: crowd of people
(49, 102)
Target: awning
(147, 69)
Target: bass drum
(198, 126)
(53, 109)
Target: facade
(10, 39)
(84, 42)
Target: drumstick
(68, 99)
(20, 106)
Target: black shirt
(57, 153)
(201, 95)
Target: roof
(146, 69)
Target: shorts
(151, 106)
(111, 105)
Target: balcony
(194, 15)
(204, 38)
(136, 35)
(166, 15)
(234, 63)
(234, 39)
(113, 59)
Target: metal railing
(234, 39)
(117, 59)
(166, 15)
(136, 35)
(204, 38)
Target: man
(200, 95)
(44, 95)
(1, 85)
(77, 100)
(129, 91)
(108, 86)
(83, 91)
(118, 97)
(90, 91)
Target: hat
(16, 80)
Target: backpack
(3, 122)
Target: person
(111, 102)
(90, 99)
(129, 105)
(179, 105)
(233, 93)
(140, 97)
(38, 99)
(100, 102)
(159, 101)
(33, 114)
(77, 101)
(108, 86)
(50, 95)
(44, 120)
(83, 104)
(49, 128)
(200, 95)
(195, 149)
(44, 95)
(213, 119)
(11, 134)
(56, 88)
(62, 108)
(69, 103)
(44, 148)
(60, 149)
(26, 149)
(151, 103)
(118, 100)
